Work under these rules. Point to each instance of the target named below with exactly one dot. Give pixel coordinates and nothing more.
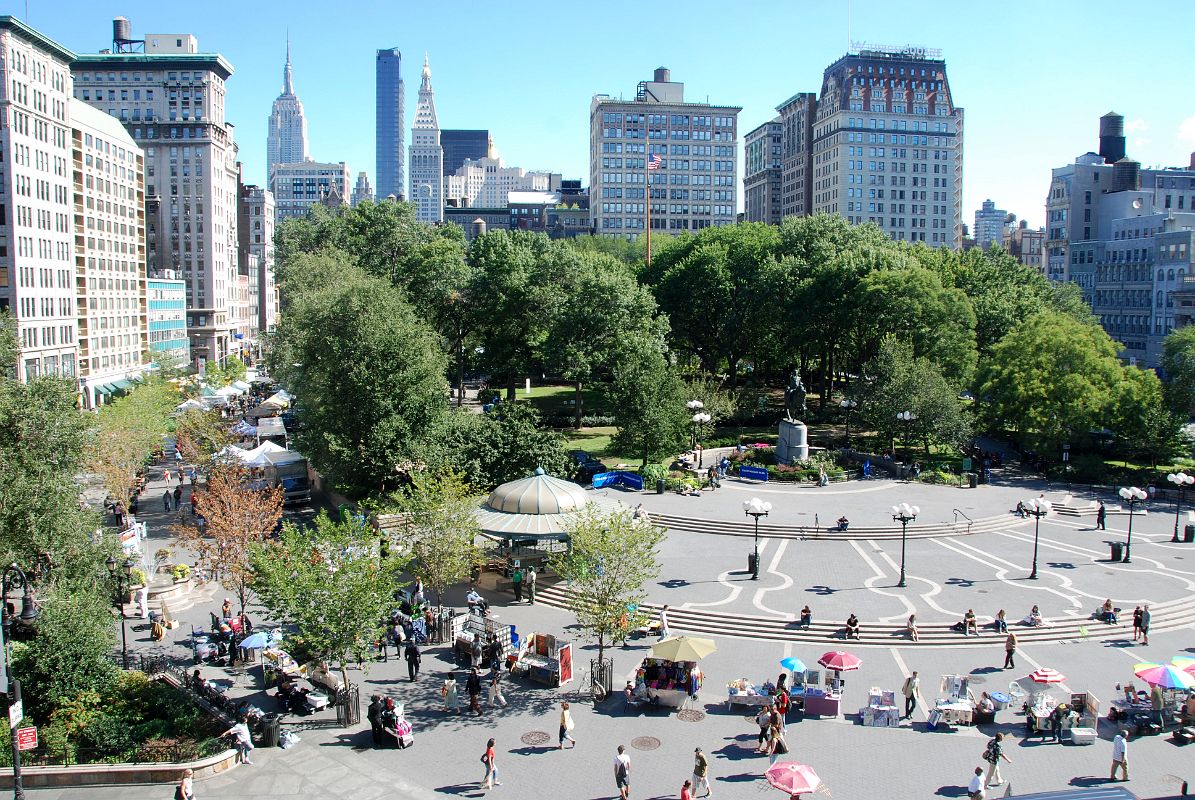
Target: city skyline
(1030, 100)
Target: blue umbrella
(254, 641)
(793, 664)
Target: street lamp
(1038, 508)
(756, 508)
(906, 417)
(699, 418)
(123, 583)
(1134, 496)
(15, 577)
(904, 514)
(848, 405)
(1182, 480)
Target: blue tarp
(749, 473)
(631, 480)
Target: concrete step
(963, 527)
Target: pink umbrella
(1184, 663)
(1168, 676)
(796, 779)
(840, 661)
(1046, 675)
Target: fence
(149, 663)
(602, 672)
(66, 755)
(348, 706)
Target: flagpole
(647, 175)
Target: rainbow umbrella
(1166, 676)
(1184, 663)
(793, 778)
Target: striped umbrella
(1166, 676)
(1046, 675)
(1184, 663)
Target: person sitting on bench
(843, 523)
(476, 601)
(852, 626)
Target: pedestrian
(374, 715)
(975, 787)
(1145, 618)
(764, 720)
(1120, 755)
(496, 696)
(566, 726)
(166, 476)
(413, 657)
(1010, 650)
(473, 687)
(909, 690)
(780, 705)
(476, 653)
(992, 755)
(449, 693)
(516, 578)
(1136, 623)
(531, 576)
(701, 772)
(1101, 517)
(622, 773)
(491, 767)
(1056, 717)
(244, 742)
(178, 496)
(663, 623)
(779, 746)
(686, 790)
(186, 786)
(166, 500)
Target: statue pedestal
(794, 442)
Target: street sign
(26, 738)
(16, 711)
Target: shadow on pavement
(951, 791)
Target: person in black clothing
(473, 687)
(1101, 517)
(374, 715)
(413, 656)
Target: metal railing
(958, 514)
(66, 755)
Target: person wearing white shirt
(663, 623)
(244, 741)
(1120, 755)
(975, 788)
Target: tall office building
(762, 172)
(362, 190)
(460, 145)
(167, 314)
(297, 187)
(989, 226)
(695, 185)
(171, 98)
(37, 201)
(796, 154)
(390, 125)
(255, 241)
(427, 156)
(286, 140)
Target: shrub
(652, 473)
(138, 576)
(180, 572)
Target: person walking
(244, 742)
(413, 657)
(531, 576)
(496, 696)
(178, 496)
(186, 786)
(1120, 755)
(686, 790)
(663, 623)
(1010, 650)
(166, 500)
(166, 476)
(449, 692)
(1145, 619)
(516, 578)
(993, 754)
(701, 773)
(975, 787)
(764, 720)
(1136, 623)
(566, 726)
(473, 687)
(622, 773)
(909, 690)
(1101, 517)
(491, 767)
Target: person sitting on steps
(852, 627)
(806, 616)
(843, 524)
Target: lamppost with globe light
(123, 582)
(699, 418)
(756, 508)
(1133, 496)
(904, 514)
(1182, 480)
(15, 577)
(848, 405)
(1038, 508)
(906, 418)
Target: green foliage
(199, 435)
(128, 431)
(501, 446)
(1178, 365)
(649, 397)
(329, 581)
(180, 572)
(610, 557)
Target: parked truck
(288, 470)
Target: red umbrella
(793, 778)
(1046, 675)
(840, 661)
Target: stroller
(395, 726)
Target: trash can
(752, 566)
(271, 727)
(999, 700)
(972, 480)
(1117, 551)
(660, 486)
(1189, 534)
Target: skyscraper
(286, 141)
(989, 226)
(362, 191)
(391, 154)
(460, 145)
(427, 156)
(762, 169)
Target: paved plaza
(705, 574)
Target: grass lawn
(554, 401)
(596, 442)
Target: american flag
(655, 162)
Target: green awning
(122, 384)
(103, 388)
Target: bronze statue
(794, 397)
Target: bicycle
(589, 688)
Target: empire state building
(286, 142)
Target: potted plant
(180, 572)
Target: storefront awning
(103, 388)
(122, 385)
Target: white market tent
(190, 405)
(257, 456)
(229, 391)
(279, 399)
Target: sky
(1033, 77)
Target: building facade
(391, 127)
(460, 145)
(362, 190)
(109, 178)
(171, 99)
(1026, 245)
(167, 316)
(762, 173)
(427, 155)
(37, 200)
(989, 226)
(255, 243)
(796, 154)
(286, 139)
(297, 187)
(488, 181)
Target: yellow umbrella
(683, 648)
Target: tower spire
(426, 83)
(288, 86)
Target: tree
(239, 513)
(199, 435)
(649, 399)
(503, 445)
(610, 557)
(329, 581)
(1178, 365)
(1160, 436)
(128, 431)
(438, 529)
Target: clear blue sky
(1034, 77)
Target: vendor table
(816, 702)
(672, 698)
(735, 698)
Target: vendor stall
(668, 683)
(810, 697)
(741, 692)
(467, 628)
(881, 710)
(954, 705)
(545, 659)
